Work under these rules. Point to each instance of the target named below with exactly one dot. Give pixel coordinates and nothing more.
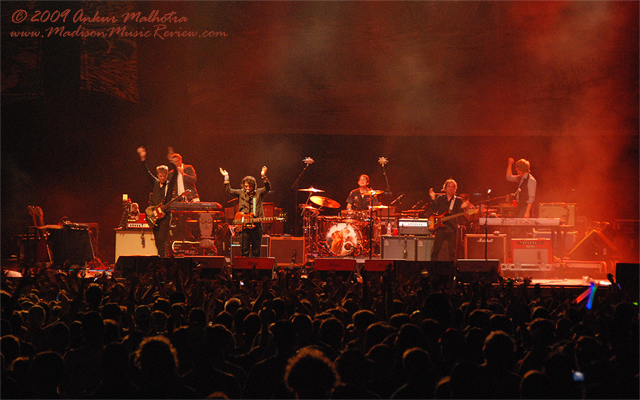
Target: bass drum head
(343, 239)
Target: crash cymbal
(324, 202)
(379, 207)
(311, 189)
(375, 192)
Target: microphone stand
(295, 188)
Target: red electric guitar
(247, 221)
(156, 213)
(437, 221)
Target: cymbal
(379, 207)
(311, 189)
(307, 207)
(375, 192)
(324, 202)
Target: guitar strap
(255, 203)
(453, 200)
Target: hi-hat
(308, 207)
(311, 189)
(324, 202)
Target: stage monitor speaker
(438, 271)
(208, 267)
(565, 211)
(377, 265)
(474, 246)
(334, 264)
(595, 246)
(264, 263)
(627, 275)
(477, 270)
(288, 249)
(130, 265)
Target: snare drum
(343, 239)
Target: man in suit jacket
(185, 179)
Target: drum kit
(351, 233)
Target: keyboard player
(525, 193)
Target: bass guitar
(437, 221)
(247, 221)
(156, 213)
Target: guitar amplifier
(531, 251)
(288, 249)
(411, 248)
(413, 226)
(474, 246)
(236, 247)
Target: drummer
(361, 198)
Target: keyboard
(525, 222)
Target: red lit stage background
(441, 89)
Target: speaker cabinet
(474, 245)
(411, 248)
(236, 247)
(377, 265)
(565, 211)
(131, 265)
(627, 275)
(477, 270)
(531, 251)
(440, 272)
(70, 244)
(334, 264)
(208, 267)
(595, 246)
(267, 263)
(288, 249)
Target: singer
(525, 194)
(249, 207)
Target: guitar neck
(251, 220)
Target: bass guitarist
(446, 203)
(250, 205)
(163, 188)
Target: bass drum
(343, 239)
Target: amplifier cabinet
(565, 211)
(531, 251)
(135, 242)
(474, 245)
(236, 247)
(410, 248)
(287, 249)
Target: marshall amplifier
(410, 248)
(413, 226)
(474, 245)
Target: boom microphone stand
(307, 161)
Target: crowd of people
(164, 332)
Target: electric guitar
(247, 221)
(437, 221)
(156, 213)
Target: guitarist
(163, 188)
(447, 203)
(250, 204)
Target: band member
(525, 194)
(360, 198)
(450, 204)
(186, 178)
(163, 188)
(249, 204)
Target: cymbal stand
(307, 161)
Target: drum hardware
(311, 189)
(324, 202)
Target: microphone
(416, 205)
(398, 198)
(308, 161)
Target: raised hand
(142, 152)
(223, 172)
(263, 172)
